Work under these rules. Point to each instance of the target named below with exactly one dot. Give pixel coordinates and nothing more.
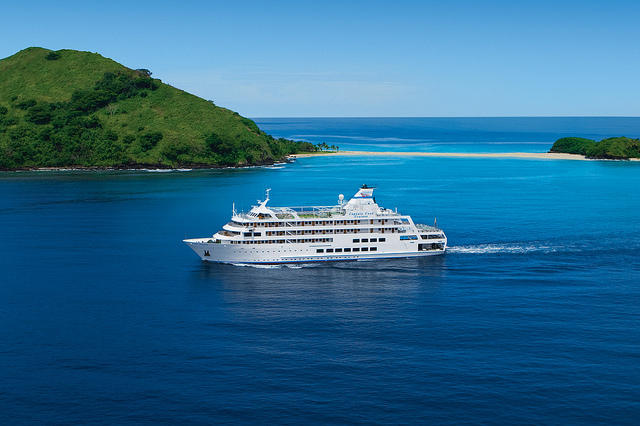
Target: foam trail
(282, 265)
(512, 248)
(258, 266)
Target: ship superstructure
(356, 230)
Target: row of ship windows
(328, 231)
(344, 231)
(244, 251)
(287, 241)
(369, 240)
(347, 249)
(315, 232)
(318, 223)
(309, 240)
(424, 237)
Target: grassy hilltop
(71, 108)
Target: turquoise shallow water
(483, 135)
(531, 317)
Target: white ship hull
(276, 254)
(357, 230)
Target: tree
(53, 56)
(112, 109)
(149, 140)
(26, 104)
(39, 114)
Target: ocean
(531, 317)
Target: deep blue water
(532, 317)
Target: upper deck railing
(304, 212)
(427, 228)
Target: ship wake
(508, 248)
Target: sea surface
(531, 317)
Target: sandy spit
(538, 155)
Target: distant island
(618, 148)
(68, 108)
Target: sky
(401, 58)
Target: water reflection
(331, 290)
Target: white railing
(427, 228)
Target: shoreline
(142, 168)
(293, 157)
(525, 155)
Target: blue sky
(361, 58)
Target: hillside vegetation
(70, 108)
(619, 148)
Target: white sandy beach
(537, 155)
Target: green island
(69, 108)
(618, 148)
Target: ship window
(347, 250)
(319, 250)
(356, 240)
(382, 240)
(257, 234)
(373, 240)
(356, 249)
(365, 240)
(338, 250)
(365, 248)
(374, 249)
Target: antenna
(266, 200)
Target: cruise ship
(355, 230)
